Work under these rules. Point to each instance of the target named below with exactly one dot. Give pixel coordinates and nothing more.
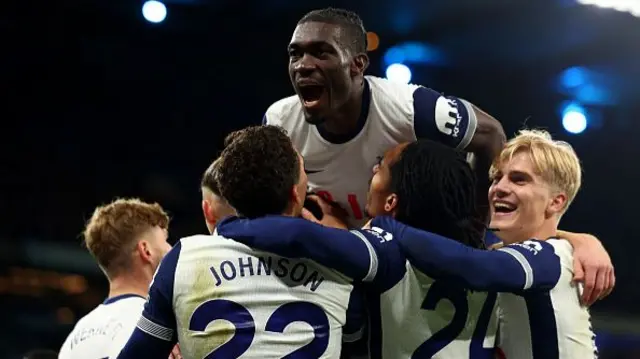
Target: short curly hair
(113, 230)
(257, 170)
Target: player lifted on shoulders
(222, 299)
(128, 239)
(534, 181)
(341, 121)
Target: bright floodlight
(574, 119)
(630, 6)
(399, 73)
(154, 11)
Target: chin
(314, 119)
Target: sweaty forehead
(314, 32)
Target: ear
(391, 203)
(557, 204)
(296, 197)
(359, 64)
(207, 210)
(144, 250)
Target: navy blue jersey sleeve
(353, 329)
(359, 254)
(155, 334)
(446, 119)
(532, 265)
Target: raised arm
(460, 124)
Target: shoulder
(562, 249)
(397, 95)
(283, 111)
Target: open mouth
(311, 94)
(503, 207)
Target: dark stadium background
(98, 103)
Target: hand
(332, 214)
(591, 266)
(175, 352)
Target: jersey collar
(362, 120)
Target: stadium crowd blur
(102, 101)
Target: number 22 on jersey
(245, 328)
(449, 333)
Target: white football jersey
(235, 302)
(424, 318)
(339, 168)
(410, 315)
(105, 330)
(549, 324)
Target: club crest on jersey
(381, 234)
(448, 116)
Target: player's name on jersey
(289, 269)
(108, 330)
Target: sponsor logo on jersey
(381, 234)
(448, 116)
(532, 246)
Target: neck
(345, 120)
(129, 284)
(542, 233)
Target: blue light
(398, 73)
(574, 118)
(574, 77)
(414, 53)
(154, 11)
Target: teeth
(503, 205)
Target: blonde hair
(112, 232)
(555, 161)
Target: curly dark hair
(257, 169)
(436, 190)
(351, 24)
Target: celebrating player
(429, 186)
(534, 181)
(341, 121)
(214, 207)
(220, 298)
(128, 239)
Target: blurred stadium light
(574, 118)
(154, 11)
(398, 73)
(413, 53)
(630, 6)
(589, 86)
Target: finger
(611, 283)
(306, 214)
(578, 273)
(606, 284)
(589, 285)
(598, 288)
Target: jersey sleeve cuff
(471, 126)
(155, 330)
(373, 258)
(524, 263)
(353, 337)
